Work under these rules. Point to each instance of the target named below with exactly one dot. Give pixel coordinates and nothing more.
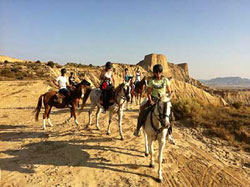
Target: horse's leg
(151, 151)
(73, 113)
(120, 114)
(97, 117)
(111, 111)
(45, 114)
(50, 124)
(90, 112)
(146, 143)
(161, 142)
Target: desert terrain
(64, 155)
(212, 137)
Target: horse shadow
(6, 127)
(64, 153)
(19, 136)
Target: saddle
(59, 97)
(111, 97)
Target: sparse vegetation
(224, 122)
(237, 105)
(51, 64)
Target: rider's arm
(168, 89)
(113, 80)
(149, 92)
(56, 83)
(102, 75)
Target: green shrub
(237, 105)
(51, 64)
(187, 108)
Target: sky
(212, 36)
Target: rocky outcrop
(152, 59)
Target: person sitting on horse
(72, 80)
(62, 83)
(107, 84)
(157, 85)
(137, 76)
(127, 77)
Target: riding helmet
(108, 65)
(63, 71)
(157, 68)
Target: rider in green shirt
(158, 84)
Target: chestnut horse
(49, 101)
(138, 90)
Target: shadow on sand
(66, 153)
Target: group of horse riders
(157, 85)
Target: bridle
(161, 117)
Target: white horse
(156, 128)
(122, 94)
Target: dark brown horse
(49, 101)
(138, 90)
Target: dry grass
(227, 123)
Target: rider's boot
(141, 120)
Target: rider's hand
(151, 102)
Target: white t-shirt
(62, 81)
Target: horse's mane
(119, 88)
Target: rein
(160, 118)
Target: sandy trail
(65, 156)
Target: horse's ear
(159, 94)
(170, 78)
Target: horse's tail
(85, 97)
(39, 106)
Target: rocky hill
(227, 81)
(182, 84)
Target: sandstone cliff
(183, 85)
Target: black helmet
(71, 73)
(157, 68)
(126, 69)
(63, 71)
(108, 65)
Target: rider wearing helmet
(72, 79)
(62, 83)
(107, 82)
(157, 85)
(127, 77)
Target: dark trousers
(67, 94)
(106, 97)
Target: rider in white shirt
(62, 83)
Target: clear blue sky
(212, 36)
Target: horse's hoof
(146, 154)
(122, 138)
(159, 180)
(151, 165)
(98, 128)
(108, 133)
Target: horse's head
(124, 90)
(85, 83)
(127, 91)
(163, 109)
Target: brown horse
(138, 90)
(49, 101)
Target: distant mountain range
(227, 81)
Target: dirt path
(66, 156)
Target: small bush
(237, 105)
(186, 108)
(51, 64)
(38, 62)
(6, 61)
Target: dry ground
(65, 156)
